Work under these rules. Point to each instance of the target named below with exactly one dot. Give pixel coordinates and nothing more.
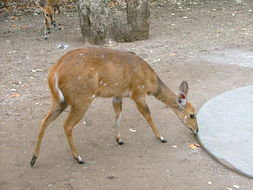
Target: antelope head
(186, 111)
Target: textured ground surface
(182, 37)
(227, 134)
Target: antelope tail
(58, 90)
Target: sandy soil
(180, 36)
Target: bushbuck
(49, 7)
(84, 74)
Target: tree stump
(116, 20)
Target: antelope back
(104, 72)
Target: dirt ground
(180, 34)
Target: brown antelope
(49, 7)
(83, 74)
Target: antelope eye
(46, 14)
(192, 116)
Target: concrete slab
(226, 129)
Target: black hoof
(79, 160)
(34, 158)
(120, 142)
(163, 140)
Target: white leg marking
(117, 123)
(118, 120)
(185, 118)
(79, 158)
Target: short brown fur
(83, 74)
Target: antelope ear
(181, 97)
(183, 88)
(181, 100)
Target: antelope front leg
(53, 18)
(46, 28)
(59, 13)
(144, 110)
(117, 106)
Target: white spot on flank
(116, 84)
(81, 54)
(58, 90)
(91, 68)
(104, 84)
(93, 96)
(101, 82)
(79, 77)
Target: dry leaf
(194, 146)
(173, 55)
(13, 17)
(15, 95)
(19, 26)
(23, 26)
(25, 85)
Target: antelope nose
(197, 130)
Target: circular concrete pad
(226, 129)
